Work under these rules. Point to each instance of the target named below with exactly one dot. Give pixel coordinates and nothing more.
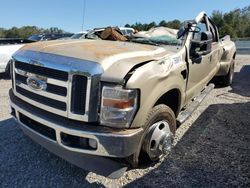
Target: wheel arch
(172, 99)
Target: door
(216, 51)
(200, 64)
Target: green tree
(26, 31)
(151, 25)
(235, 23)
(127, 25)
(175, 24)
(2, 32)
(217, 18)
(163, 23)
(12, 33)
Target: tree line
(26, 31)
(235, 23)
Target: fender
(154, 79)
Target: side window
(129, 32)
(213, 31)
(123, 31)
(202, 25)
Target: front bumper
(110, 142)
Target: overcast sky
(68, 15)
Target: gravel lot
(212, 148)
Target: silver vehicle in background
(79, 35)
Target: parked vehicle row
(126, 31)
(51, 36)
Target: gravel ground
(212, 148)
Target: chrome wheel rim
(159, 139)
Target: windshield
(35, 37)
(155, 36)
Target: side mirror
(203, 46)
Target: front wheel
(161, 127)
(158, 136)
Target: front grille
(65, 94)
(50, 87)
(79, 88)
(48, 72)
(38, 127)
(44, 100)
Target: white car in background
(7, 48)
(127, 31)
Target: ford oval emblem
(36, 84)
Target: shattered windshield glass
(159, 40)
(155, 36)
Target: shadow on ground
(25, 163)
(214, 152)
(241, 83)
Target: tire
(227, 80)
(158, 113)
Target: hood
(116, 58)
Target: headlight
(118, 106)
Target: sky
(68, 15)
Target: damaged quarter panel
(228, 53)
(161, 76)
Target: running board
(184, 115)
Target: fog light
(92, 143)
